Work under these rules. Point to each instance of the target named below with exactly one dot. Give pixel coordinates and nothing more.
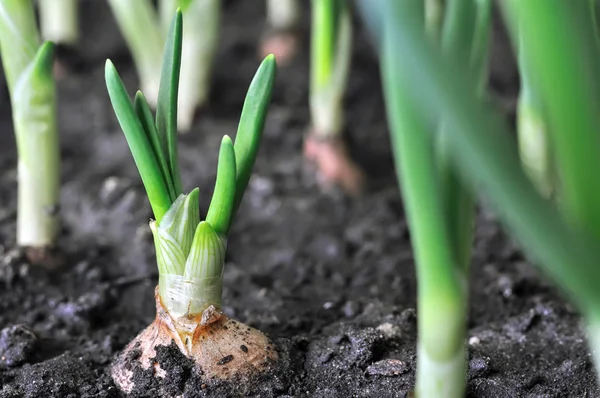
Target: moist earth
(330, 279)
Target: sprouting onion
(331, 47)
(28, 71)
(58, 21)
(200, 42)
(563, 241)
(190, 253)
(139, 25)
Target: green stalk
(331, 47)
(441, 290)
(283, 15)
(58, 20)
(200, 43)
(28, 71)
(461, 34)
(488, 160)
(139, 23)
(559, 43)
(532, 134)
(434, 17)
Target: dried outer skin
(221, 348)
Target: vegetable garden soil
(330, 279)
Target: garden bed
(329, 279)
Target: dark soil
(329, 279)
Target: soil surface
(329, 279)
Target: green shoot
(220, 211)
(190, 252)
(566, 70)
(200, 44)
(331, 45)
(166, 111)
(252, 122)
(138, 23)
(438, 205)
(534, 145)
(58, 21)
(141, 148)
(28, 70)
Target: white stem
(326, 102)
(58, 20)
(436, 379)
(138, 22)
(200, 42)
(283, 14)
(34, 116)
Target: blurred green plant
(439, 207)
(557, 40)
(331, 50)
(144, 28)
(28, 69)
(200, 43)
(58, 21)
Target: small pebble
(17, 345)
(388, 367)
(479, 367)
(389, 331)
(474, 340)
(225, 360)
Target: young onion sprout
(28, 70)
(331, 47)
(200, 43)
(190, 252)
(58, 20)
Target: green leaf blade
(142, 109)
(252, 122)
(166, 111)
(220, 211)
(142, 152)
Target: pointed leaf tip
(220, 211)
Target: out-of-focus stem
(534, 142)
(139, 23)
(331, 45)
(58, 20)
(33, 97)
(283, 14)
(200, 43)
(442, 290)
(434, 17)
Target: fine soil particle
(329, 279)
